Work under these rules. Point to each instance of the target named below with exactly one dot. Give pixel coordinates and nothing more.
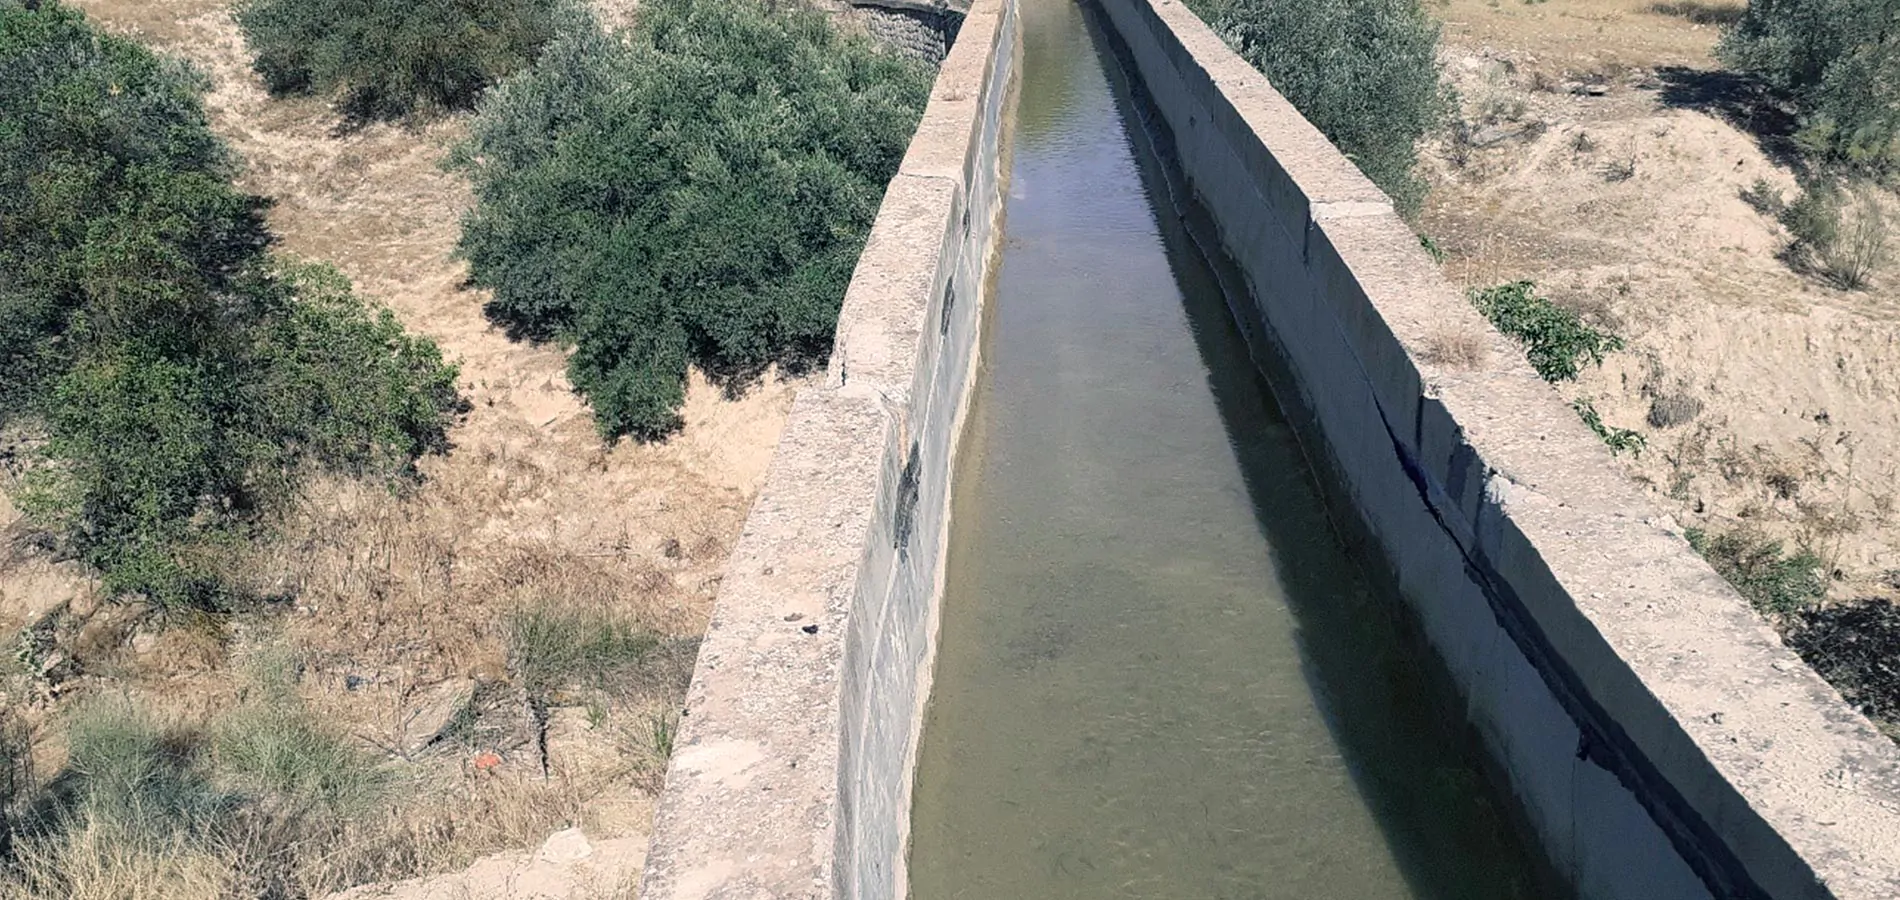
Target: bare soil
(1603, 156)
(397, 595)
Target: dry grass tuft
(1701, 12)
(1672, 410)
(1457, 347)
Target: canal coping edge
(752, 800)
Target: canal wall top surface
(790, 775)
(1479, 482)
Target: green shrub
(1841, 241)
(388, 58)
(1840, 63)
(1763, 198)
(1813, 219)
(1556, 341)
(1774, 583)
(1365, 72)
(181, 378)
(115, 199)
(696, 193)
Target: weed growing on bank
(552, 648)
(1617, 439)
(146, 808)
(694, 191)
(1775, 583)
(1839, 235)
(1557, 341)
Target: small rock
(1596, 90)
(565, 846)
(1491, 134)
(55, 666)
(144, 642)
(83, 605)
(437, 709)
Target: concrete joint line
(1327, 211)
(1601, 740)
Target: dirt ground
(1603, 157)
(399, 596)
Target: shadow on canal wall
(1655, 733)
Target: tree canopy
(1364, 72)
(1840, 62)
(694, 191)
(171, 377)
(388, 58)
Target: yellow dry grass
(1456, 347)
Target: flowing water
(1159, 674)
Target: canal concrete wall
(791, 774)
(1663, 742)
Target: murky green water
(1159, 674)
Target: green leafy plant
(1556, 341)
(1773, 582)
(696, 193)
(1364, 72)
(389, 58)
(1840, 63)
(177, 378)
(1618, 439)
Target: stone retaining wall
(927, 34)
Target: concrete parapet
(1661, 739)
(791, 774)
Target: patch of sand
(1623, 200)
